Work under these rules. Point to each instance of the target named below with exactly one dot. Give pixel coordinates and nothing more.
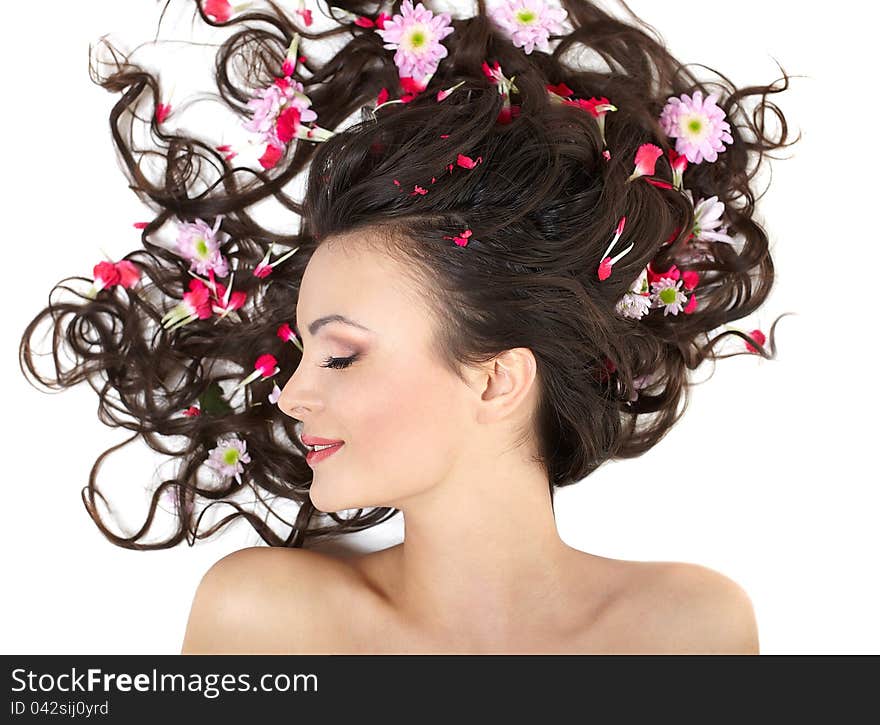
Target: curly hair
(540, 209)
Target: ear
(506, 381)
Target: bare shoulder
(687, 608)
(247, 599)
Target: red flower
(128, 273)
(287, 123)
(270, 156)
(758, 337)
(162, 111)
(218, 10)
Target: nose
(296, 401)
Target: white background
(769, 478)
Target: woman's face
(401, 414)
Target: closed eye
(338, 363)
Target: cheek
(404, 425)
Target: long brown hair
(540, 208)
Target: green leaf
(212, 400)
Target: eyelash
(338, 363)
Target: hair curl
(541, 209)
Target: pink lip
(313, 457)
(317, 440)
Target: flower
(278, 111)
(275, 394)
(604, 271)
(415, 35)
(288, 335)
(264, 268)
(636, 301)
(221, 10)
(198, 243)
(196, 304)
(529, 22)
(679, 163)
(265, 367)
(697, 124)
(667, 294)
(110, 274)
(646, 160)
(162, 112)
(707, 219)
(225, 300)
(758, 337)
(227, 458)
(460, 239)
(192, 411)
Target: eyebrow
(316, 325)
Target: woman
(503, 273)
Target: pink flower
(198, 243)
(636, 301)
(105, 275)
(225, 300)
(460, 239)
(265, 267)
(607, 262)
(268, 105)
(646, 159)
(288, 335)
(365, 22)
(196, 304)
(110, 274)
(304, 13)
(679, 164)
(758, 337)
(529, 23)
(221, 10)
(162, 112)
(227, 458)
(698, 125)
(467, 162)
(266, 366)
(271, 156)
(415, 34)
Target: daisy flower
(636, 302)
(278, 110)
(697, 124)
(667, 294)
(199, 244)
(416, 34)
(227, 458)
(529, 23)
(707, 220)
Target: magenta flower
(196, 304)
(415, 35)
(288, 335)
(227, 458)
(529, 23)
(265, 367)
(697, 124)
(199, 244)
(278, 111)
(646, 160)
(265, 267)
